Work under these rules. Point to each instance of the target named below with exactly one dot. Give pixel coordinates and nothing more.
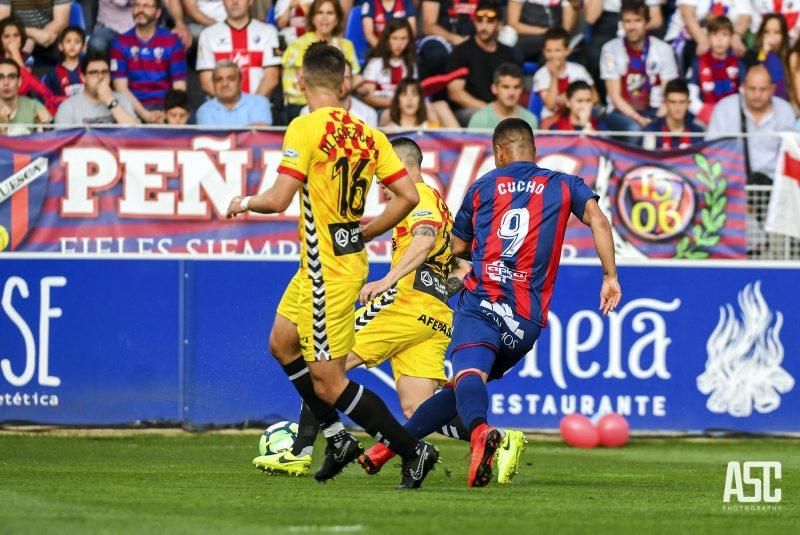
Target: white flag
(783, 216)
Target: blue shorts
(494, 326)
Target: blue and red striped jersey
(151, 66)
(515, 218)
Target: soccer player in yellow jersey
(331, 157)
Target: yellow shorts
(415, 339)
(323, 313)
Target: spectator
(507, 88)
(765, 114)
(66, 79)
(794, 73)
(354, 106)
(147, 61)
(15, 109)
(479, 54)
(44, 20)
(576, 115)
(232, 107)
(251, 44)
(97, 103)
(291, 16)
(13, 42)
(176, 107)
(772, 51)
(531, 19)
(716, 73)
(635, 70)
(407, 109)
(377, 14)
(11, 45)
(604, 19)
(445, 24)
(686, 31)
(325, 23)
(391, 61)
(670, 131)
(113, 18)
(789, 9)
(551, 81)
(200, 14)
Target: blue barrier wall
(110, 341)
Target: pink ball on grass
(613, 430)
(578, 431)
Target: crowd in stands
(666, 70)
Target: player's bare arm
(275, 199)
(461, 248)
(610, 291)
(422, 242)
(404, 200)
(455, 279)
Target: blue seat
(76, 16)
(354, 31)
(535, 105)
(529, 68)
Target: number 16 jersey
(515, 218)
(335, 155)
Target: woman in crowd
(409, 109)
(12, 46)
(392, 60)
(772, 50)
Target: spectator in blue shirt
(231, 107)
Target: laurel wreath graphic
(706, 233)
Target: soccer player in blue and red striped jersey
(511, 225)
(148, 61)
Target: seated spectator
(113, 18)
(44, 20)
(177, 110)
(480, 54)
(551, 81)
(377, 14)
(392, 60)
(17, 111)
(765, 114)
(200, 14)
(13, 43)
(445, 24)
(532, 19)
(674, 126)
(251, 44)
(407, 109)
(772, 51)
(147, 61)
(794, 73)
(325, 23)
(604, 19)
(635, 69)
(11, 47)
(97, 103)
(66, 79)
(354, 106)
(716, 73)
(576, 116)
(789, 9)
(290, 17)
(686, 29)
(507, 88)
(232, 107)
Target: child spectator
(376, 15)
(772, 50)
(11, 47)
(716, 73)
(677, 122)
(576, 115)
(66, 79)
(551, 81)
(177, 110)
(392, 60)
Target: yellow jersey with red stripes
(335, 155)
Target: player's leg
(413, 391)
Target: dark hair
(323, 66)
(176, 98)
(72, 29)
(635, 6)
(384, 52)
(406, 144)
(676, 86)
(557, 34)
(337, 7)
(719, 23)
(94, 55)
(11, 20)
(394, 108)
(783, 52)
(507, 69)
(491, 5)
(577, 85)
(513, 130)
(9, 61)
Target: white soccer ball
(277, 438)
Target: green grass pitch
(151, 483)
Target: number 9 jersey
(335, 155)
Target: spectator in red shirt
(576, 116)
